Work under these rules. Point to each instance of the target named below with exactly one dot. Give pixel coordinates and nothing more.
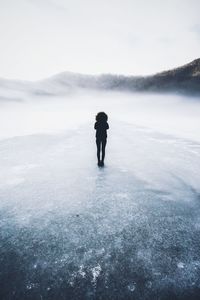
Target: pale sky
(39, 38)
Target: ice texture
(72, 230)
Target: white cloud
(40, 38)
(196, 29)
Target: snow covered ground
(71, 230)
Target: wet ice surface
(71, 230)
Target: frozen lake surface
(71, 230)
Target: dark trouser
(101, 145)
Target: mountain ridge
(183, 79)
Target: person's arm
(107, 126)
(95, 125)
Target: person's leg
(103, 149)
(98, 142)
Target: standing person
(101, 127)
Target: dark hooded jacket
(101, 130)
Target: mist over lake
(173, 114)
